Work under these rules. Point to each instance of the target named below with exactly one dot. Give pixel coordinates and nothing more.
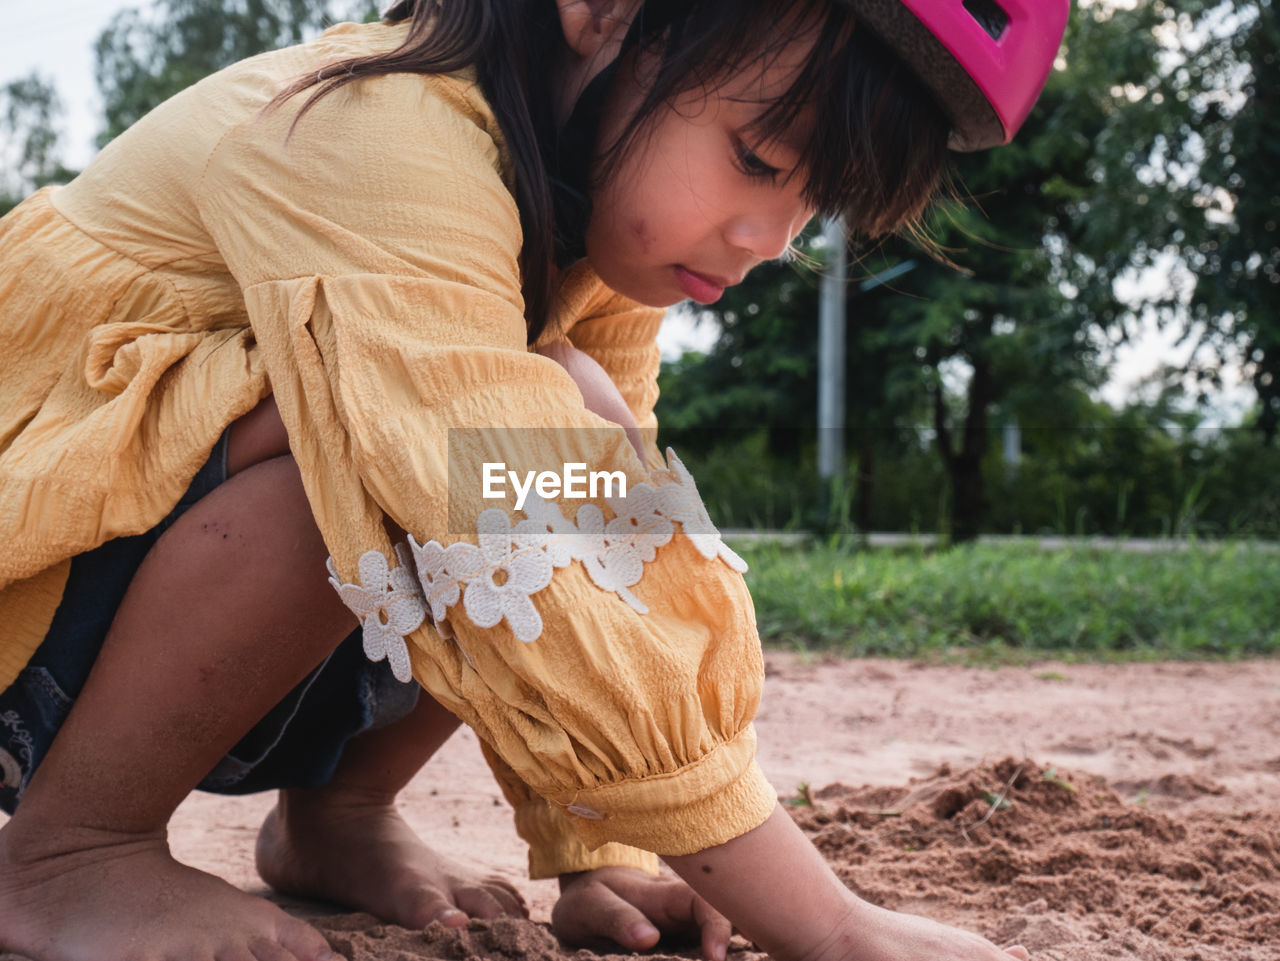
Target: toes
(299, 942)
(236, 953)
(452, 918)
(453, 905)
(485, 902)
(508, 895)
(262, 949)
(427, 903)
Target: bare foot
(129, 900)
(364, 856)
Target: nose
(767, 231)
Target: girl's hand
(889, 936)
(625, 906)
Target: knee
(255, 540)
(263, 482)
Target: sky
(56, 38)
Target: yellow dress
(363, 268)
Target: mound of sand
(1059, 862)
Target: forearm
(599, 394)
(776, 889)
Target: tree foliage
(143, 57)
(29, 116)
(1185, 186)
(760, 371)
(1227, 235)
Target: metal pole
(831, 334)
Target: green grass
(1006, 603)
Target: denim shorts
(297, 744)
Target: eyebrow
(791, 136)
(794, 137)
(794, 140)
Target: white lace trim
(495, 578)
(388, 602)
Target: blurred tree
(1236, 260)
(1089, 193)
(29, 112)
(759, 378)
(143, 57)
(1185, 185)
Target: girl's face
(698, 200)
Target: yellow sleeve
(554, 845)
(604, 647)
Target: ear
(596, 27)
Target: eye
(749, 163)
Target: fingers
(622, 921)
(675, 909)
(716, 930)
(1019, 952)
(634, 909)
(595, 913)
(681, 910)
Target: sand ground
(1137, 810)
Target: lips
(704, 288)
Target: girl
(287, 318)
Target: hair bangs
(696, 45)
(874, 151)
(877, 156)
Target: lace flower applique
(389, 605)
(499, 576)
(495, 578)
(681, 502)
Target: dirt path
(1138, 819)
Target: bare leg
(346, 842)
(228, 612)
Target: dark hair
(876, 156)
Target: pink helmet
(985, 60)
